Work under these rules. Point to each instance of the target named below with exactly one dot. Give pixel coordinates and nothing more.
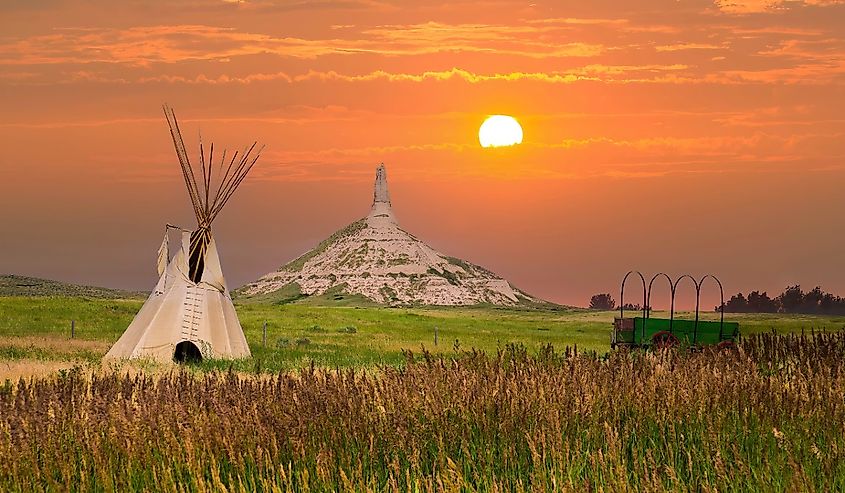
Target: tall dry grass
(767, 417)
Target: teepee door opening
(187, 352)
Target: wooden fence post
(435, 335)
(72, 328)
(264, 336)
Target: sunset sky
(684, 136)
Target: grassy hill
(13, 285)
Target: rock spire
(381, 209)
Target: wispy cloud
(142, 46)
(597, 72)
(755, 6)
(688, 46)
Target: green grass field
(517, 416)
(36, 329)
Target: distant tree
(602, 302)
(831, 304)
(737, 304)
(812, 300)
(761, 303)
(792, 299)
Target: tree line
(792, 300)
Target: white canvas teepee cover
(190, 313)
(179, 311)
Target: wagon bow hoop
(721, 302)
(697, 297)
(622, 293)
(648, 298)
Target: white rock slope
(376, 258)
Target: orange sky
(679, 135)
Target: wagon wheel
(726, 346)
(664, 339)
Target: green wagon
(645, 331)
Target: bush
(602, 302)
(282, 342)
(349, 329)
(303, 341)
(316, 329)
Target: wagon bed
(647, 332)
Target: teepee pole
(225, 178)
(235, 186)
(208, 181)
(230, 177)
(184, 161)
(236, 178)
(203, 205)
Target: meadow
(355, 397)
(768, 416)
(35, 332)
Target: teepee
(189, 314)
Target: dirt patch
(54, 343)
(30, 368)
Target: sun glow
(500, 131)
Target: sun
(500, 131)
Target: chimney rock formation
(375, 258)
